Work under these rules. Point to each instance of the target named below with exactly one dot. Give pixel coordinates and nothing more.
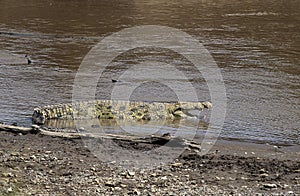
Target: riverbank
(39, 164)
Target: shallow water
(256, 44)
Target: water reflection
(141, 128)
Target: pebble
(176, 164)
(137, 192)
(93, 169)
(270, 186)
(131, 173)
(110, 184)
(7, 175)
(15, 154)
(33, 157)
(118, 188)
(153, 174)
(285, 186)
(262, 171)
(264, 175)
(164, 178)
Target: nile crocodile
(113, 109)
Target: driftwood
(155, 140)
(15, 129)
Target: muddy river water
(256, 45)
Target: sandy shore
(39, 164)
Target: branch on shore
(154, 140)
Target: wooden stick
(158, 140)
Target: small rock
(264, 175)
(218, 178)
(10, 189)
(231, 187)
(15, 154)
(54, 159)
(14, 180)
(137, 192)
(285, 186)
(297, 171)
(81, 129)
(176, 164)
(118, 188)
(33, 157)
(97, 181)
(110, 184)
(131, 173)
(262, 171)
(93, 169)
(123, 174)
(164, 178)
(153, 174)
(270, 186)
(7, 175)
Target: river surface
(256, 45)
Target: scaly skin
(112, 109)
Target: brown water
(255, 43)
